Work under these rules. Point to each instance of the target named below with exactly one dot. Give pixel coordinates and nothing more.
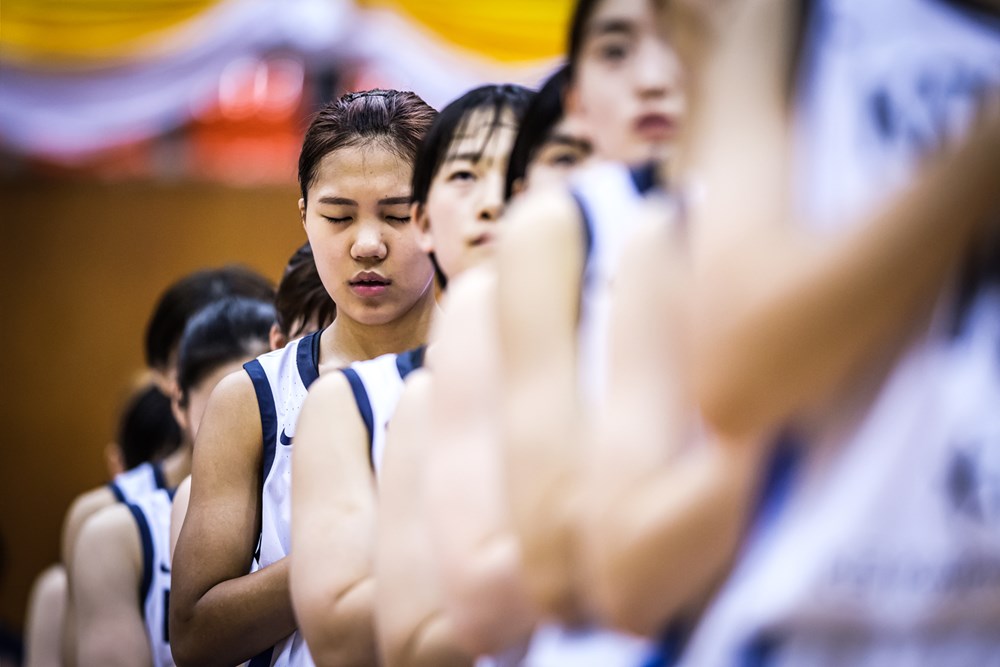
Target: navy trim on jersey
(759, 651)
(119, 496)
(262, 659)
(307, 358)
(158, 477)
(411, 360)
(644, 177)
(780, 475)
(147, 552)
(588, 226)
(670, 646)
(268, 413)
(364, 405)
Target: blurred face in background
(627, 82)
(466, 195)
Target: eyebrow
(385, 201)
(571, 141)
(612, 26)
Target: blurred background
(143, 139)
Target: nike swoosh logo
(284, 439)
(164, 569)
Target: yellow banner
(67, 30)
(509, 31)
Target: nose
(491, 202)
(657, 69)
(369, 243)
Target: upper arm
(541, 261)
(404, 557)
(107, 570)
(465, 500)
(44, 622)
(333, 499)
(218, 537)
(178, 510)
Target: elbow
(338, 626)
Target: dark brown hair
(397, 120)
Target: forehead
(614, 12)
(371, 171)
(482, 131)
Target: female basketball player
(872, 324)
(459, 462)
(626, 83)
(163, 333)
(354, 174)
(124, 548)
(457, 193)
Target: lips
(656, 126)
(482, 239)
(369, 284)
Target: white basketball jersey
(152, 516)
(138, 481)
(878, 541)
(610, 198)
(281, 380)
(377, 385)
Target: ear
(276, 338)
(517, 187)
(179, 413)
(113, 459)
(418, 214)
(302, 211)
(571, 101)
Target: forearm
(340, 629)
(233, 620)
(543, 463)
(790, 330)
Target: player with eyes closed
(457, 201)
(230, 600)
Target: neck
(347, 340)
(177, 465)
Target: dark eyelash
(336, 220)
(394, 218)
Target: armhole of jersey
(116, 490)
(307, 358)
(364, 407)
(778, 480)
(147, 553)
(643, 178)
(158, 478)
(262, 659)
(409, 361)
(268, 413)
(587, 226)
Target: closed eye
(461, 175)
(400, 219)
(338, 221)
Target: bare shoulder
(82, 508)
(329, 386)
(549, 214)
(109, 536)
